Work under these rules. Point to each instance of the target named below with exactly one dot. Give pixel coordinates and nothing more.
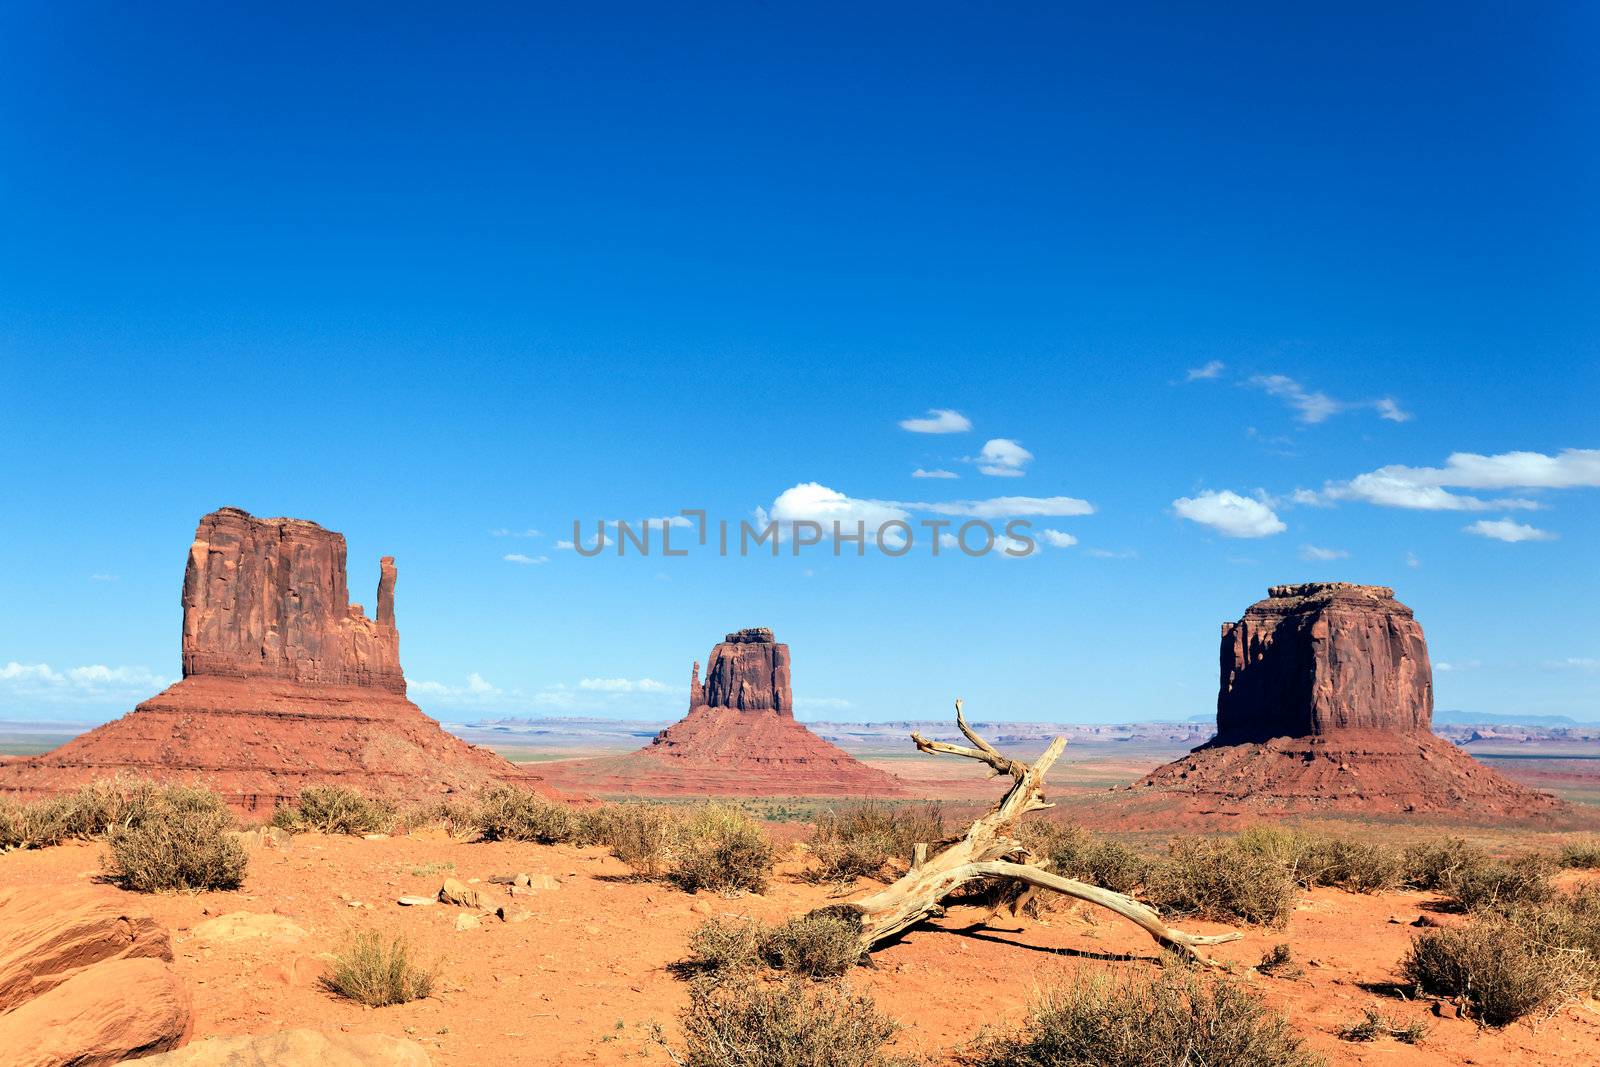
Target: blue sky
(425, 276)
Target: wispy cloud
(624, 685)
(1312, 552)
(920, 473)
(1573, 663)
(1003, 458)
(938, 420)
(1229, 514)
(504, 532)
(1107, 553)
(103, 577)
(518, 557)
(1210, 370)
(95, 683)
(1507, 530)
(1057, 538)
(1312, 406)
(1429, 488)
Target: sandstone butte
(1326, 704)
(286, 684)
(740, 737)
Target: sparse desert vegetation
(1510, 936)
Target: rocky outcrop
(1325, 703)
(739, 738)
(84, 983)
(748, 671)
(286, 685)
(268, 598)
(1323, 657)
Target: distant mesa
(286, 684)
(740, 738)
(1325, 703)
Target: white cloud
(564, 546)
(1507, 530)
(503, 532)
(920, 473)
(103, 577)
(815, 502)
(1229, 514)
(1573, 663)
(1106, 553)
(1314, 406)
(1312, 552)
(1210, 370)
(518, 557)
(623, 685)
(1003, 458)
(1008, 507)
(939, 420)
(1428, 488)
(1389, 408)
(1412, 560)
(96, 682)
(1463, 665)
(1057, 538)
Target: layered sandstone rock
(286, 684)
(1325, 702)
(83, 982)
(739, 738)
(1318, 658)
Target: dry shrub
(333, 809)
(1279, 963)
(720, 848)
(1176, 1018)
(1074, 853)
(509, 814)
(1581, 854)
(1497, 968)
(1431, 865)
(1374, 1024)
(377, 973)
(748, 1022)
(85, 814)
(1314, 859)
(640, 835)
(1494, 883)
(458, 818)
(1223, 881)
(816, 946)
(180, 840)
(721, 948)
(861, 840)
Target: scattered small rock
(414, 902)
(467, 922)
(460, 894)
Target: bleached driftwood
(989, 850)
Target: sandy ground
(587, 976)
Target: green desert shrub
(182, 839)
(1314, 859)
(816, 946)
(749, 1022)
(1176, 1019)
(720, 848)
(378, 972)
(506, 813)
(1584, 855)
(861, 840)
(1221, 880)
(333, 809)
(85, 814)
(1074, 853)
(1431, 865)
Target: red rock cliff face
(749, 671)
(1320, 658)
(268, 598)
